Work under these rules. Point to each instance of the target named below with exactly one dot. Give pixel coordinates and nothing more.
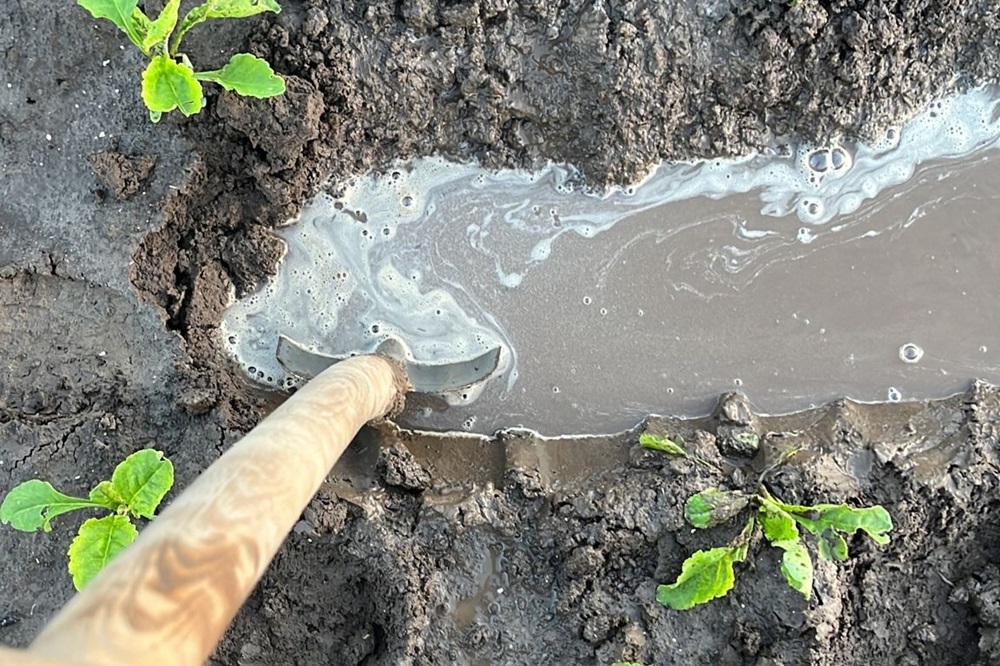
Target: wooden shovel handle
(168, 598)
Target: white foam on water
(416, 254)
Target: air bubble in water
(840, 159)
(910, 353)
(819, 160)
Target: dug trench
(457, 549)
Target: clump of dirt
(123, 175)
(398, 468)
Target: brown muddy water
(856, 271)
(656, 327)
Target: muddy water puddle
(860, 271)
(659, 326)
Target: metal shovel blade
(424, 377)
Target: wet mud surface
(121, 242)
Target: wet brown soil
(121, 242)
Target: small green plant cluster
(170, 81)
(708, 574)
(136, 488)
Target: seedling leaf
(706, 575)
(97, 542)
(119, 12)
(248, 75)
(832, 546)
(169, 85)
(713, 507)
(30, 506)
(159, 30)
(221, 9)
(796, 565)
(141, 25)
(142, 480)
(777, 525)
(661, 443)
(106, 495)
(874, 520)
(141, 21)
(236, 8)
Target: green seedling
(170, 81)
(136, 488)
(709, 574)
(671, 448)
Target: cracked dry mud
(122, 240)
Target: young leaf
(141, 25)
(796, 566)
(713, 507)
(97, 542)
(237, 8)
(832, 546)
(106, 495)
(221, 9)
(706, 575)
(159, 30)
(660, 443)
(142, 480)
(141, 21)
(818, 519)
(248, 75)
(30, 506)
(874, 520)
(169, 85)
(119, 12)
(777, 525)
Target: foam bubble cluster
(419, 254)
